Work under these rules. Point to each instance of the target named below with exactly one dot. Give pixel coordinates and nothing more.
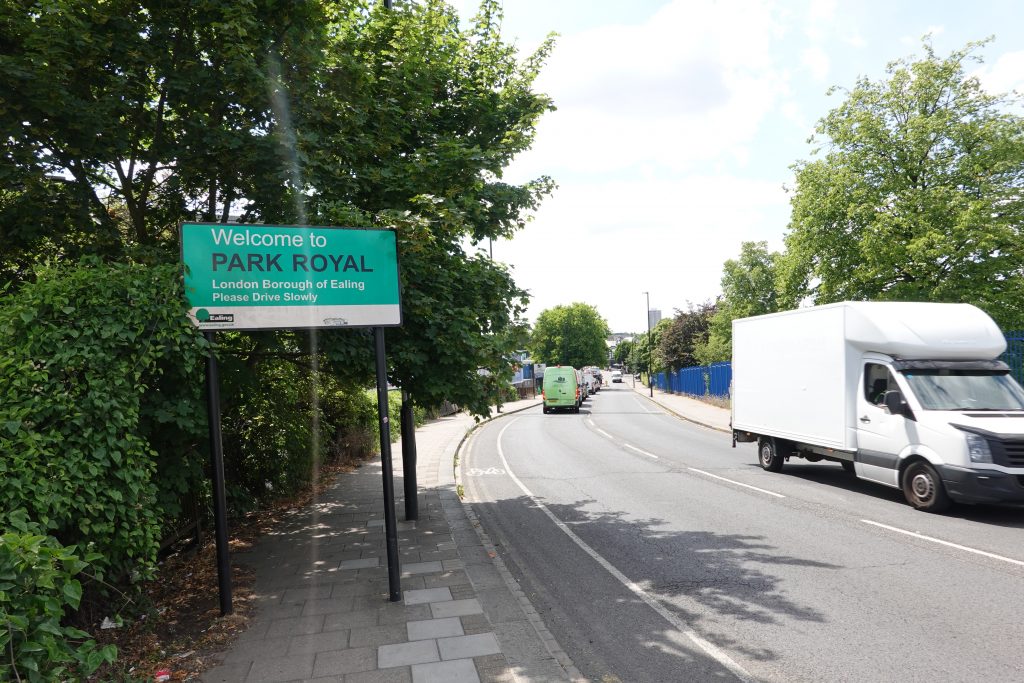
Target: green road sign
(257, 277)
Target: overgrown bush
(273, 426)
(37, 585)
(80, 351)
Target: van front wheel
(922, 487)
(768, 455)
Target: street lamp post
(650, 376)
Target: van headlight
(977, 448)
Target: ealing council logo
(204, 316)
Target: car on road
(561, 389)
(616, 376)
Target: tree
(919, 196)
(122, 119)
(570, 335)
(748, 288)
(622, 351)
(643, 355)
(683, 334)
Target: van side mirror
(897, 406)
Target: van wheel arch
(769, 455)
(922, 485)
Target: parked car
(593, 384)
(584, 387)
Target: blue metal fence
(711, 380)
(714, 380)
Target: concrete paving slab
(467, 647)
(318, 642)
(378, 635)
(431, 595)
(362, 563)
(421, 568)
(454, 671)
(282, 669)
(341, 662)
(435, 628)
(404, 654)
(455, 608)
(397, 675)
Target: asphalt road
(655, 551)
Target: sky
(678, 122)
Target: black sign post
(412, 508)
(220, 515)
(390, 526)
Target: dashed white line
(641, 451)
(737, 483)
(945, 543)
(604, 433)
(713, 651)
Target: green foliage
(38, 585)
(918, 197)
(749, 287)
(80, 350)
(570, 335)
(121, 119)
(643, 355)
(683, 335)
(622, 351)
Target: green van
(561, 390)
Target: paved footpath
(323, 612)
(689, 409)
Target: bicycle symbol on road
(490, 471)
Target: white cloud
(666, 235)
(818, 18)
(677, 91)
(1006, 74)
(816, 61)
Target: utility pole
(650, 354)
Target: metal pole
(390, 527)
(650, 351)
(220, 516)
(412, 508)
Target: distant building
(653, 317)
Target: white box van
(909, 395)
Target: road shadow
(705, 580)
(831, 474)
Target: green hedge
(80, 350)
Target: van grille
(1008, 453)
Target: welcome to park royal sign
(257, 277)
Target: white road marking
(604, 433)
(714, 652)
(643, 407)
(945, 543)
(737, 483)
(641, 451)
